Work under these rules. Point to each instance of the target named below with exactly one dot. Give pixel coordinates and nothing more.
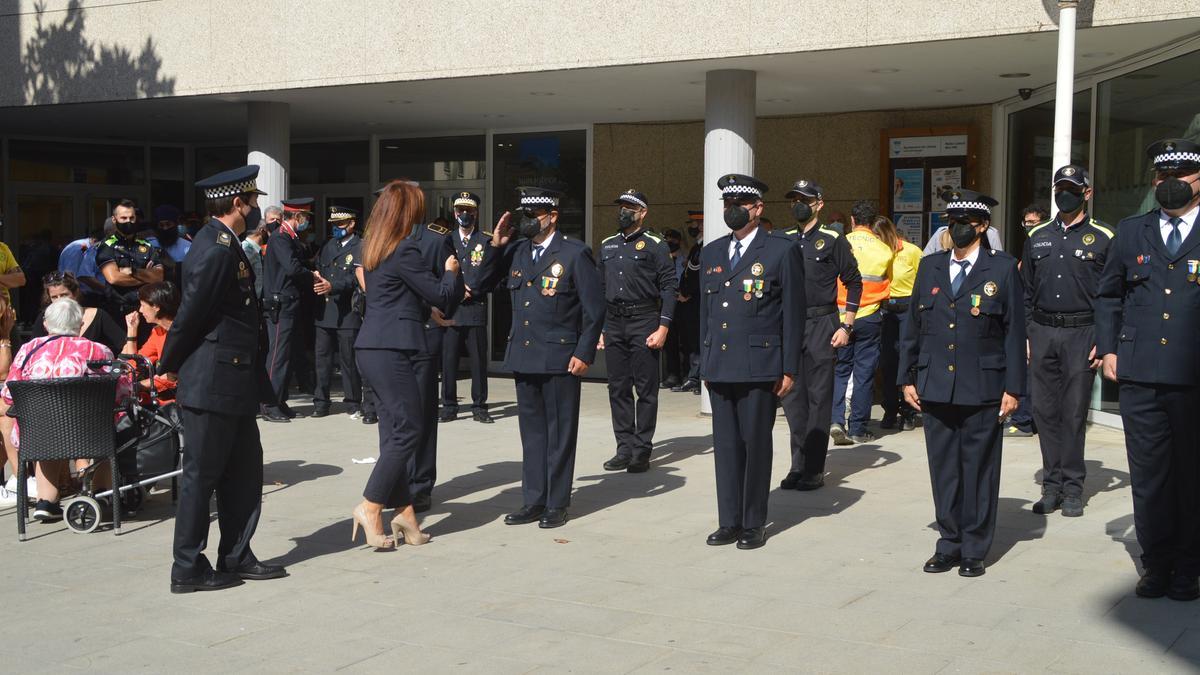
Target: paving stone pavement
(627, 586)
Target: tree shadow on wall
(61, 65)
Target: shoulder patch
(653, 237)
(794, 230)
(1102, 228)
(609, 238)
(1036, 228)
(434, 227)
(111, 240)
(486, 233)
(224, 239)
(833, 233)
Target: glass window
(211, 160)
(1030, 155)
(60, 162)
(433, 159)
(166, 177)
(326, 163)
(554, 159)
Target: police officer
(687, 307)
(335, 320)
(962, 363)
(221, 382)
(127, 262)
(469, 325)
(638, 278)
(752, 315)
(827, 258)
(1147, 319)
(558, 313)
(1060, 267)
(287, 279)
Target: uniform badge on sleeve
(990, 289)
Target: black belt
(896, 306)
(632, 308)
(1063, 320)
(821, 310)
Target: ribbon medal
(759, 285)
(975, 299)
(549, 285)
(747, 287)
(476, 255)
(1193, 269)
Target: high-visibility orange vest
(874, 264)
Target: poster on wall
(908, 188)
(909, 225)
(940, 181)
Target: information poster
(908, 190)
(909, 225)
(942, 180)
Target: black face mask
(737, 217)
(465, 220)
(1173, 193)
(253, 218)
(802, 212)
(529, 227)
(673, 245)
(168, 235)
(1068, 201)
(127, 229)
(626, 219)
(693, 232)
(962, 233)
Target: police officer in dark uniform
(687, 309)
(558, 313)
(752, 316)
(1147, 320)
(336, 321)
(962, 363)
(469, 325)
(127, 262)
(287, 279)
(1060, 267)
(637, 274)
(215, 347)
(827, 258)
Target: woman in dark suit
(400, 291)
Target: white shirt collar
(1189, 219)
(733, 240)
(545, 244)
(972, 256)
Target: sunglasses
(57, 278)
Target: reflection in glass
(441, 158)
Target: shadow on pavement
(790, 508)
(283, 474)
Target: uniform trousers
(1062, 390)
(1161, 431)
(858, 360)
(686, 327)
(475, 338)
(809, 403)
(368, 394)
(963, 443)
(284, 350)
(743, 414)
(548, 410)
(221, 453)
(889, 361)
(672, 356)
(327, 341)
(423, 463)
(632, 367)
(392, 375)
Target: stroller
(149, 450)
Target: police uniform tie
(1174, 239)
(737, 255)
(964, 265)
(537, 253)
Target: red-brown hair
(400, 206)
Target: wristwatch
(849, 328)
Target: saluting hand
(503, 232)
(911, 398)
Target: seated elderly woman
(62, 353)
(159, 303)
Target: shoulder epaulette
(609, 238)
(1035, 228)
(224, 239)
(794, 230)
(1102, 227)
(833, 233)
(438, 229)
(653, 237)
(111, 240)
(485, 233)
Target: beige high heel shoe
(379, 540)
(413, 536)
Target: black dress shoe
(690, 385)
(448, 416)
(422, 503)
(1153, 584)
(724, 535)
(482, 416)
(790, 481)
(639, 465)
(753, 537)
(888, 422)
(370, 419)
(257, 571)
(907, 423)
(1183, 587)
(941, 562)
(553, 518)
(1072, 506)
(971, 567)
(1048, 503)
(617, 463)
(669, 383)
(320, 412)
(208, 581)
(292, 414)
(810, 483)
(527, 514)
(275, 415)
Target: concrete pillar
(729, 117)
(269, 141)
(1064, 90)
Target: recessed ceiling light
(1014, 76)
(948, 91)
(397, 101)
(885, 71)
(1096, 55)
(391, 147)
(778, 100)
(541, 93)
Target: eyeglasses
(57, 278)
(1031, 223)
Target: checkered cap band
(968, 206)
(1193, 157)
(734, 190)
(341, 215)
(633, 200)
(539, 201)
(231, 190)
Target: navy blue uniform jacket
(757, 339)
(471, 312)
(954, 355)
(400, 292)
